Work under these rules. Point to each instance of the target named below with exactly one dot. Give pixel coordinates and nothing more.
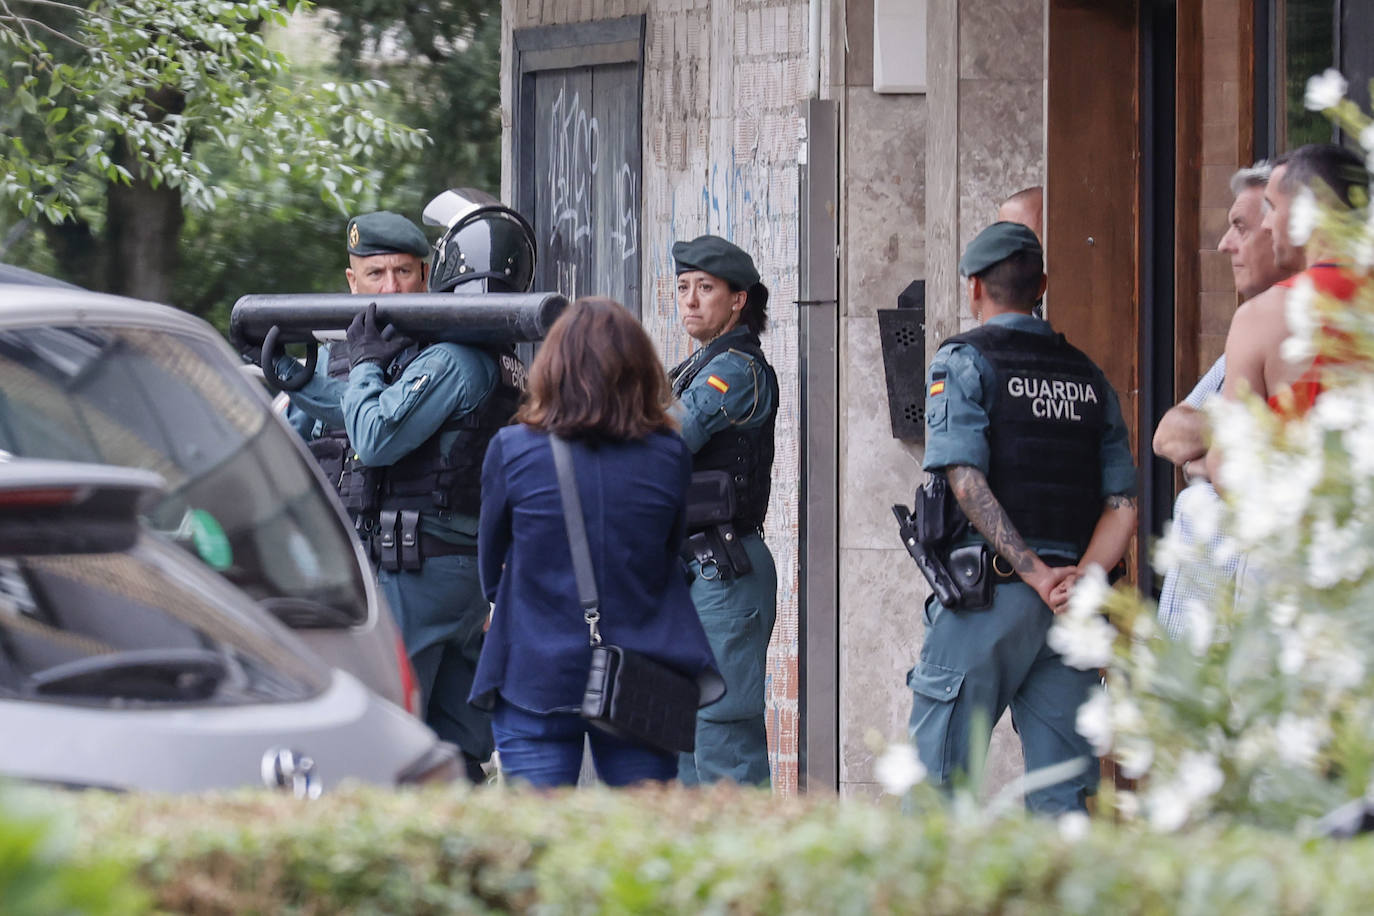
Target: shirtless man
(1254, 362)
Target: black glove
(367, 342)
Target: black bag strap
(576, 523)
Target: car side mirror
(61, 507)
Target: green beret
(385, 232)
(997, 243)
(718, 258)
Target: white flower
(1297, 349)
(1298, 740)
(1169, 809)
(1367, 137)
(1325, 90)
(1297, 305)
(1337, 409)
(1363, 255)
(1283, 613)
(1128, 805)
(1199, 775)
(1074, 825)
(1172, 802)
(1171, 549)
(1094, 722)
(1302, 217)
(1200, 624)
(898, 769)
(1292, 653)
(1254, 744)
(1084, 643)
(1298, 311)
(1135, 756)
(1090, 592)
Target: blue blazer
(634, 497)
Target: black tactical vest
(445, 472)
(358, 485)
(1045, 426)
(746, 453)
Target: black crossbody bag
(628, 694)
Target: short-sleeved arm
(494, 525)
(1118, 467)
(731, 390)
(320, 399)
(956, 410)
(386, 422)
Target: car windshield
(240, 494)
(139, 627)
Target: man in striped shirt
(1180, 437)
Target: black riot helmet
(484, 241)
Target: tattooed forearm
(970, 488)
(1120, 501)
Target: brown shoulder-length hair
(597, 376)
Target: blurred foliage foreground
(722, 850)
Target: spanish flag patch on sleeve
(718, 383)
(937, 387)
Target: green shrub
(684, 851)
(37, 875)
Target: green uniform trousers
(974, 664)
(440, 610)
(737, 615)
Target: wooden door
(1092, 187)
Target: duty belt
(718, 550)
(399, 544)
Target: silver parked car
(126, 664)
(93, 378)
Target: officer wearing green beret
(386, 254)
(1030, 437)
(402, 429)
(727, 401)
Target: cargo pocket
(937, 413)
(740, 646)
(932, 709)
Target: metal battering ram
(473, 318)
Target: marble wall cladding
(1001, 147)
(884, 201)
(876, 470)
(858, 43)
(1002, 39)
(880, 639)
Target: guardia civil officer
(727, 400)
(417, 418)
(1030, 436)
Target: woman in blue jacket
(596, 382)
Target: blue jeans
(545, 750)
